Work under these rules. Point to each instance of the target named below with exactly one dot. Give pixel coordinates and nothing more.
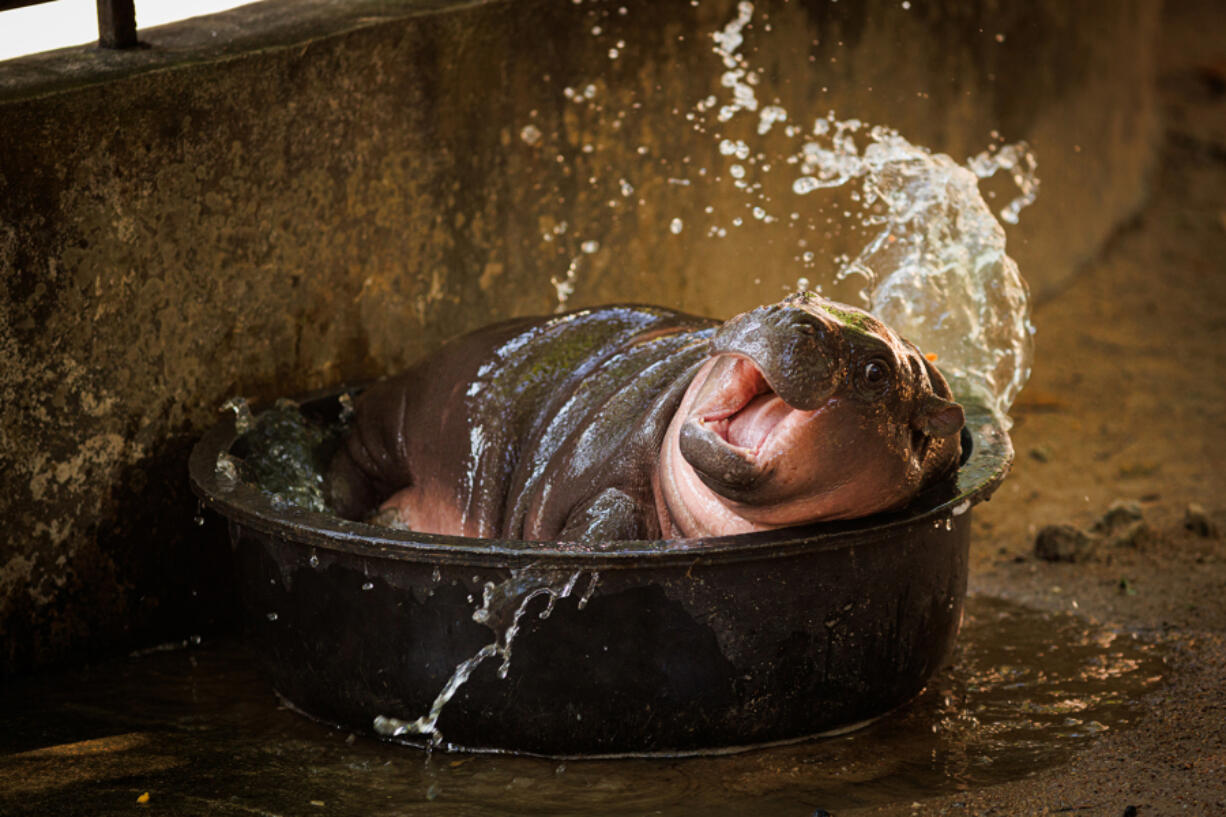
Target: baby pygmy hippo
(637, 422)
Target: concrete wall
(297, 194)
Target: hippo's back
(476, 431)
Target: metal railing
(116, 20)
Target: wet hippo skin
(638, 422)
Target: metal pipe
(117, 24)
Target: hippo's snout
(799, 352)
(807, 410)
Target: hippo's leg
(348, 487)
(612, 515)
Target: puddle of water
(202, 733)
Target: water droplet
(734, 147)
(368, 586)
(242, 413)
(271, 616)
(805, 185)
(590, 247)
(675, 226)
(348, 412)
(531, 134)
(314, 560)
(769, 116)
(226, 471)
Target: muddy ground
(1126, 403)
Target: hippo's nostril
(806, 328)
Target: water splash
(226, 470)
(1020, 163)
(933, 263)
(565, 286)
(287, 453)
(591, 588)
(242, 413)
(348, 411)
(502, 606)
(935, 266)
(738, 77)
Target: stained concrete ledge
(256, 27)
(325, 190)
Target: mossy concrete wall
(297, 194)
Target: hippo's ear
(938, 417)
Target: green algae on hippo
(638, 422)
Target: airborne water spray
(935, 268)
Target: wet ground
(199, 731)
(1081, 687)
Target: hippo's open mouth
(727, 436)
(745, 415)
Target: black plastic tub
(681, 647)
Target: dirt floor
(1126, 403)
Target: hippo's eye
(875, 374)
